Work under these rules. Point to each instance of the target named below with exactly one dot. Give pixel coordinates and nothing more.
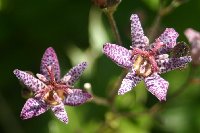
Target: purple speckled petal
(33, 107)
(74, 73)
(173, 63)
(137, 34)
(50, 59)
(28, 80)
(168, 37)
(130, 81)
(60, 113)
(77, 97)
(120, 55)
(157, 86)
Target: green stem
(114, 27)
(155, 26)
(163, 11)
(100, 101)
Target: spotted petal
(50, 59)
(168, 37)
(77, 97)
(137, 34)
(130, 81)
(60, 113)
(73, 75)
(157, 86)
(120, 55)
(33, 107)
(29, 81)
(173, 63)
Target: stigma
(144, 62)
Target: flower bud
(106, 3)
(194, 38)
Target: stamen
(66, 78)
(51, 74)
(42, 77)
(56, 97)
(146, 40)
(148, 70)
(153, 63)
(138, 62)
(69, 91)
(158, 45)
(142, 69)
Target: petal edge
(130, 81)
(33, 107)
(28, 80)
(74, 74)
(118, 54)
(49, 58)
(77, 97)
(60, 113)
(157, 86)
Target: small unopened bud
(88, 87)
(106, 3)
(193, 37)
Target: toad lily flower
(51, 92)
(144, 61)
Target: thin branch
(100, 101)
(114, 27)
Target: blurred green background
(77, 30)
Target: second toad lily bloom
(146, 61)
(51, 92)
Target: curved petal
(77, 97)
(120, 55)
(173, 63)
(60, 113)
(157, 86)
(168, 37)
(50, 59)
(30, 81)
(137, 34)
(73, 75)
(130, 81)
(33, 107)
